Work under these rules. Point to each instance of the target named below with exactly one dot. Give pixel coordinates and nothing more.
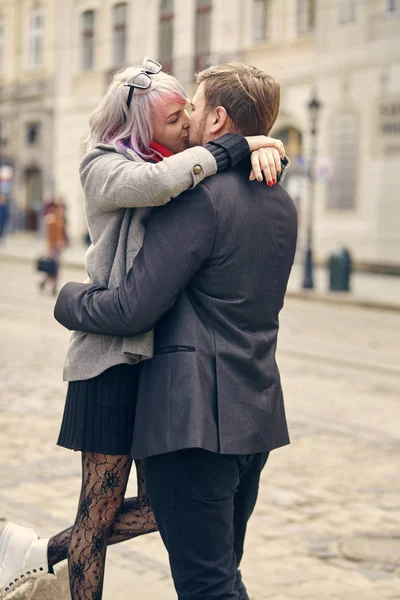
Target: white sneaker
(22, 556)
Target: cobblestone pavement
(327, 524)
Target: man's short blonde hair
(249, 95)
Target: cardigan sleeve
(113, 181)
(179, 237)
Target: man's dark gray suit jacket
(211, 278)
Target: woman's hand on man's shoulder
(264, 141)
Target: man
(211, 278)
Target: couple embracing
(172, 360)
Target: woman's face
(173, 133)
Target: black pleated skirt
(99, 413)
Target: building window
(347, 11)
(306, 13)
(32, 133)
(3, 139)
(392, 5)
(262, 20)
(166, 37)
(344, 135)
(35, 39)
(120, 12)
(202, 43)
(2, 45)
(88, 24)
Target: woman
(141, 118)
(56, 238)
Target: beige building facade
(27, 65)
(345, 53)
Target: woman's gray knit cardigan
(120, 191)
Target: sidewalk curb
(339, 299)
(335, 298)
(70, 264)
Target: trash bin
(340, 267)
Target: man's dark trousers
(202, 502)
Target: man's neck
(211, 137)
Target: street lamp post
(314, 106)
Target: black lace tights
(103, 518)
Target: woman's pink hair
(114, 123)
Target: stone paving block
(126, 583)
(287, 498)
(326, 588)
(274, 549)
(358, 596)
(20, 494)
(280, 597)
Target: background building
(347, 53)
(27, 61)
(343, 53)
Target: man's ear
(219, 121)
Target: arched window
(202, 38)
(166, 37)
(88, 25)
(34, 197)
(344, 144)
(294, 181)
(292, 140)
(306, 16)
(119, 33)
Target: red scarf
(161, 150)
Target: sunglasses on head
(142, 81)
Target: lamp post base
(308, 280)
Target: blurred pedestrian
(86, 239)
(4, 214)
(56, 239)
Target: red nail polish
(269, 183)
